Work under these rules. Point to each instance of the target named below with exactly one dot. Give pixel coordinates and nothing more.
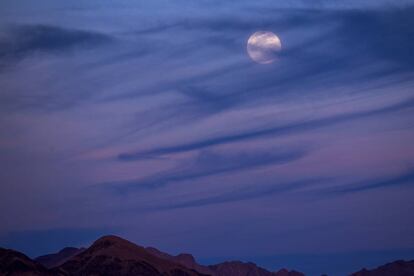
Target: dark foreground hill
(111, 255)
(397, 268)
(13, 263)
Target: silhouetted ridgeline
(398, 268)
(111, 255)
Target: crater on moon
(264, 47)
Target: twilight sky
(147, 119)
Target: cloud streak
(406, 178)
(273, 131)
(245, 193)
(21, 40)
(209, 163)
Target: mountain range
(112, 255)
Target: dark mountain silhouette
(13, 263)
(233, 268)
(397, 268)
(236, 268)
(184, 259)
(285, 272)
(239, 268)
(111, 255)
(57, 259)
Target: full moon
(263, 47)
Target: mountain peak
(112, 255)
(185, 257)
(116, 245)
(111, 239)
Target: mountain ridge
(397, 268)
(56, 259)
(112, 255)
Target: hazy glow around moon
(263, 47)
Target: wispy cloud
(273, 131)
(20, 40)
(208, 163)
(406, 178)
(245, 193)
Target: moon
(264, 47)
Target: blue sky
(149, 120)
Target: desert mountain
(233, 268)
(111, 255)
(397, 268)
(13, 263)
(184, 259)
(57, 259)
(285, 272)
(239, 268)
